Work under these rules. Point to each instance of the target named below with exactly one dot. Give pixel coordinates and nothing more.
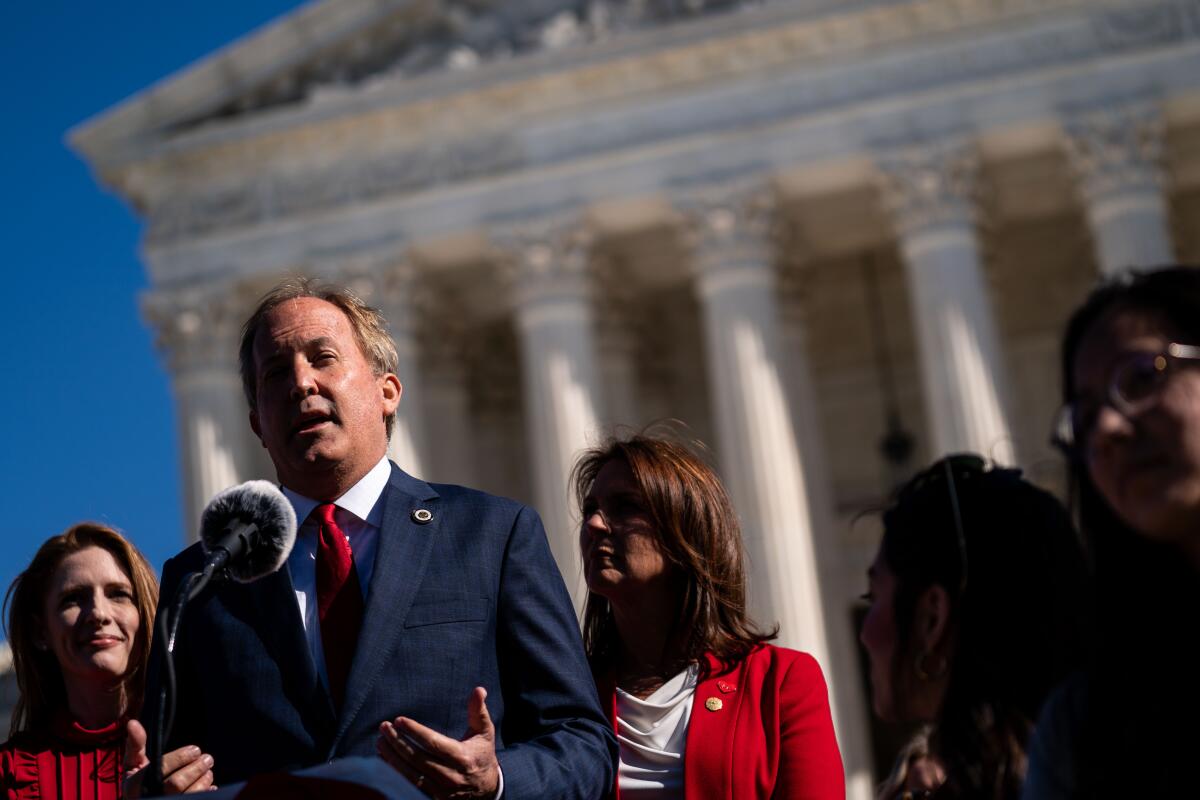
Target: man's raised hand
(440, 766)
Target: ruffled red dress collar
(64, 727)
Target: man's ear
(254, 426)
(391, 388)
(932, 619)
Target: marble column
(390, 285)
(1116, 154)
(928, 194)
(762, 465)
(199, 336)
(551, 294)
(769, 455)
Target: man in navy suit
(427, 623)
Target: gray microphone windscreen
(260, 503)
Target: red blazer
(760, 730)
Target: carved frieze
(282, 195)
(462, 35)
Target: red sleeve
(18, 772)
(6, 772)
(810, 764)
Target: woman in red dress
(702, 706)
(79, 623)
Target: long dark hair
(1008, 557)
(39, 678)
(698, 532)
(1142, 681)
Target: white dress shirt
(359, 513)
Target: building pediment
(348, 43)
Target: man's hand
(440, 766)
(184, 770)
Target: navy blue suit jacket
(472, 598)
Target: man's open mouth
(309, 423)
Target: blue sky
(93, 434)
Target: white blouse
(653, 735)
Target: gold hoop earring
(925, 673)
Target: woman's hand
(185, 770)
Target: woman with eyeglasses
(1131, 429)
(974, 617)
(702, 706)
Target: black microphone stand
(192, 585)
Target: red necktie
(339, 601)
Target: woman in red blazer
(702, 706)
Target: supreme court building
(804, 228)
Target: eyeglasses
(1135, 383)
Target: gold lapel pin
(713, 704)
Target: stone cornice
(441, 158)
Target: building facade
(802, 228)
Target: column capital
(545, 260)
(391, 282)
(196, 329)
(1116, 150)
(729, 230)
(929, 186)
(376, 277)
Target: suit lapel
(709, 751)
(401, 558)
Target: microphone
(248, 530)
